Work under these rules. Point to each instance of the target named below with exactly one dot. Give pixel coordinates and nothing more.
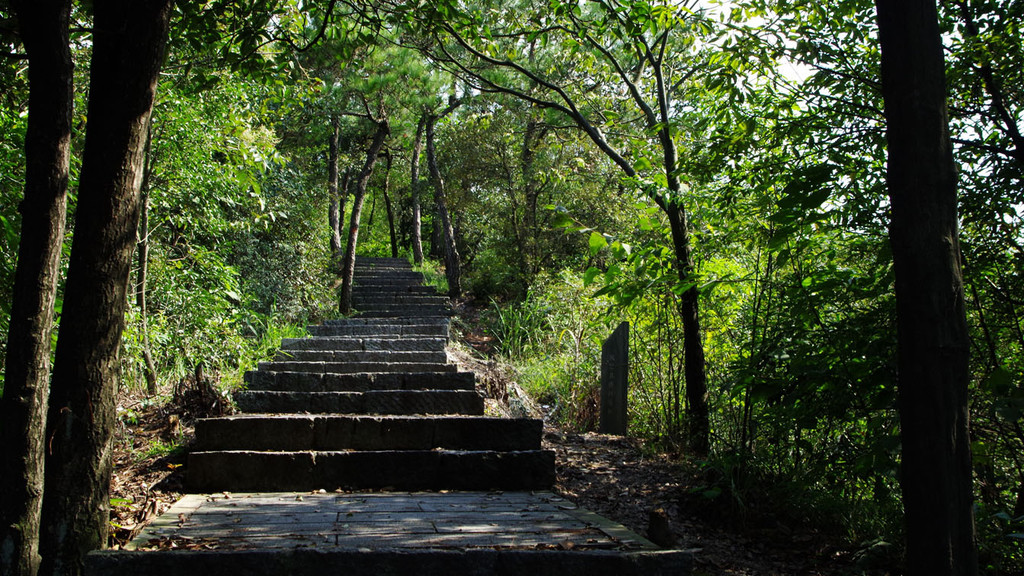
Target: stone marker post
(614, 376)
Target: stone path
(372, 403)
(401, 520)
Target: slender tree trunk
(390, 211)
(933, 345)
(695, 372)
(414, 182)
(373, 210)
(436, 236)
(452, 266)
(142, 253)
(348, 264)
(346, 183)
(128, 49)
(335, 211)
(533, 136)
(149, 370)
(44, 30)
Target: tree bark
(387, 208)
(532, 138)
(43, 26)
(142, 255)
(933, 345)
(414, 180)
(128, 50)
(335, 210)
(452, 266)
(348, 264)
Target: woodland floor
(656, 495)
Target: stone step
(406, 300)
(403, 356)
(386, 282)
(412, 289)
(304, 558)
(431, 329)
(381, 261)
(238, 471)
(359, 382)
(432, 312)
(412, 307)
(464, 402)
(384, 321)
(392, 311)
(339, 343)
(386, 274)
(352, 367)
(333, 433)
(317, 381)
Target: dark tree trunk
(695, 372)
(532, 138)
(436, 244)
(452, 266)
(348, 264)
(44, 31)
(373, 211)
(335, 210)
(128, 49)
(346, 183)
(390, 211)
(932, 351)
(414, 183)
(142, 254)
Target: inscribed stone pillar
(614, 375)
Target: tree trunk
(532, 138)
(390, 211)
(348, 264)
(128, 49)
(414, 183)
(335, 211)
(695, 372)
(44, 31)
(932, 350)
(436, 243)
(149, 370)
(452, 267)
(346, 182)
(142, 253)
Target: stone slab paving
(403, 520)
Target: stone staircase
(369, 402)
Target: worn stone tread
(299, 381)
(425, 402)
(397, 470)
(358, 356)
(353, 367)
(291, 432)
(358, 343)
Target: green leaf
(561, 220)
(590, 275)
(597, 241)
